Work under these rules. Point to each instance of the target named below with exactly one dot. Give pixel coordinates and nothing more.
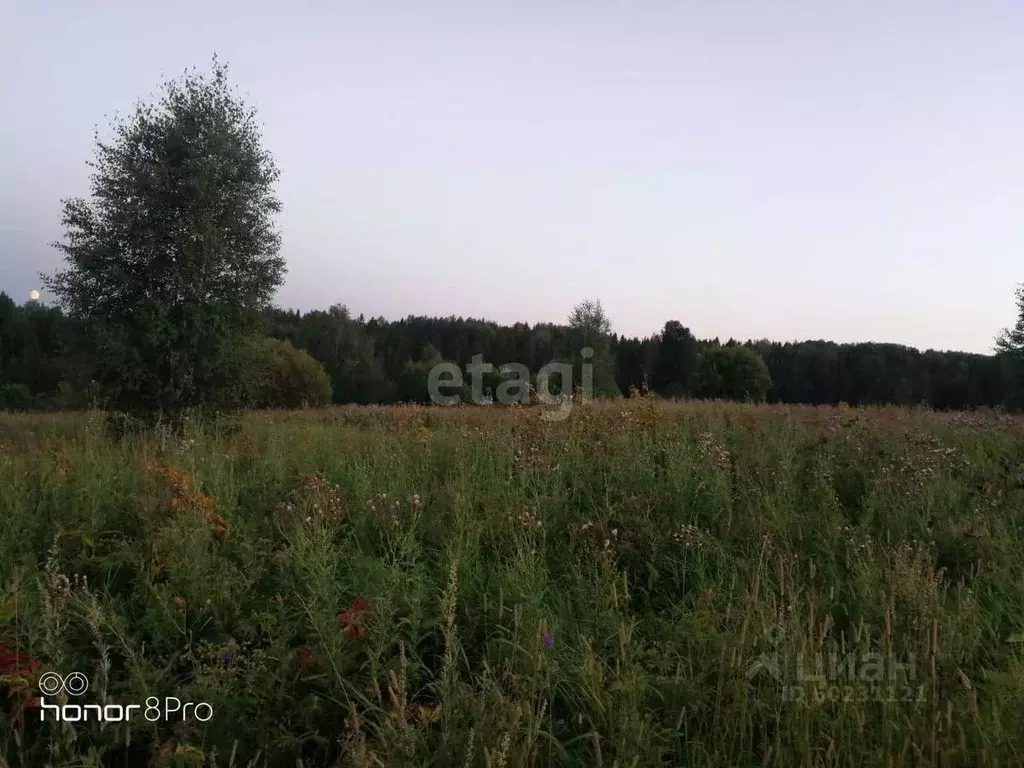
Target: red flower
(352, 619)
(360, 604)
(15, 664)
(307, 658)
(357, 631)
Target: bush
(731, 373)
(289, 378)
(15, 397)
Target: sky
(844, 170)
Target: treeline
(43, 360)
(386, 354)
(45, 365)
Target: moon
(34, 295)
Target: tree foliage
(172, 259)
(676, 360)
(288, 377)
(44, 350)
(1010, 345)
(347, 352)
(590, 331)
(731, 373)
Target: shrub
(289, 378)
(731, 373)
(15, 397)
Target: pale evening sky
(843, 170)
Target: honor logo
(76, 683)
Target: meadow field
(642, 584)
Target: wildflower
(59, 585)
(15, 664)
(527, 519)
(217, 524)
(714, 452)
(307, 658)
(353, 618)
(387, 511)
(352, 626)
(690, 536)
(360, 603)
(546, 635)
(179, 602)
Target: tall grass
(642, 584)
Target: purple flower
(548, 639)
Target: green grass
(642, 584)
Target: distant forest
(45, 365)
